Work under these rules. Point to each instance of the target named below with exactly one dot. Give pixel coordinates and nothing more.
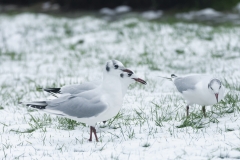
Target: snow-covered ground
(42, 51)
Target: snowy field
(43, 51)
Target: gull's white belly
(193, 97)
(114, 103)
(105, 115)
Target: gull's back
(78, 88)
(189, 82)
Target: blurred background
(210, 11)
(134, 4)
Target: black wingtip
(37, 107)
(35, 104)
(52, 90)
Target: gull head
(115, 67)
(214, 86)
(129, 77)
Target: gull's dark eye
(116, 66)
(129, 74)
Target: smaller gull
(94, 105)
(201, 89)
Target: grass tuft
(146, 145)
(68, 124)
(30, 130)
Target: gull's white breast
(201, 95)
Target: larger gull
(94, 105)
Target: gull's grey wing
(187, 82)
(76, 106)
(78, 88)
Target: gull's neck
(111, 84)
(124, 87)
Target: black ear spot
(173, 76)
(122, 75)
(107, 68)
(129, 74)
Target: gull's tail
(36, 104)
(171, 78)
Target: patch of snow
(107, 11)
(207, 13)
(110, 14)
(123, 9)
(234, 154)
(150, 15)
(46, 5)
(210, 15)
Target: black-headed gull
(94, 105)
(111, 66)
(201, 89)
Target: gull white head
(115, 67)
(214, 86)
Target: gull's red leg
(187, 110)
(204, 111)
(90, 139)
(95, 133)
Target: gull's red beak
(216, 95)
(140, 80)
